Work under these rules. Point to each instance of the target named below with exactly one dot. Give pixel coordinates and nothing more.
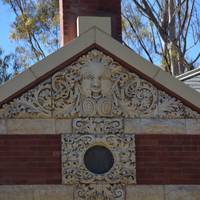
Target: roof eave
(102, 39)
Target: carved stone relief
(35, 103)
(99, 192)
(123, 150)
(170, 107)
(98, 125)
(191, 114)
(96, 86)
(101, 87)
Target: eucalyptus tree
(35, 28)
(8, 66)
(165, 32)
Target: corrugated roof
(191, 78)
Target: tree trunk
(172, 38)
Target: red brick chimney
(71, 9)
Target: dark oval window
(98, 159)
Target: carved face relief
(95, 85)
(96, 81)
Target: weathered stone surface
(98, 125)
(163, 192)
(191, 192)
(95, 85)
(193, 126)
(3, 126)
(132, 126)
(145, 193)
(39, 192)
(30, 126)
(162, 126)
(99, 192)
(63, 126)
(135, 126)
(122, 147)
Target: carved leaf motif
(33, 104)
(121, 146)
(134, 97)
(170, 107)
(190, 114)
(96, 86)
(99, 192)
(97, 125)
(66, 92)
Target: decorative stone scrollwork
(104, 88)
(191, 114)
(97, 125)
(170, 107)
(96, 86)
(121, 146)
(133, 96)
(35, 103)
(99, 192)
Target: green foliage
(35, 29)
(8, 67)
(164, 32)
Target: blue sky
(6, 17)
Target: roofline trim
(95, 36)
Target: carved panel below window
(99, 192)
(98, 125)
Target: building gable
(87, 41)
(96, 94)
(96, 85)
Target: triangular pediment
(96, 85)
(61, 85)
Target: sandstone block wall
(62, 192)
(131, 126)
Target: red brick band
(160, 159)
(30, 159)
(168, 159)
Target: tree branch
(139, 39)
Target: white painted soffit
(189, 74)
(102, 39)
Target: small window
(98, 159)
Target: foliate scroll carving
(133, 96)
(170, 107)
(97, 125)
(36, 102)
(96, 86)
(191, 114)
(99, 192)
(121, 146)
